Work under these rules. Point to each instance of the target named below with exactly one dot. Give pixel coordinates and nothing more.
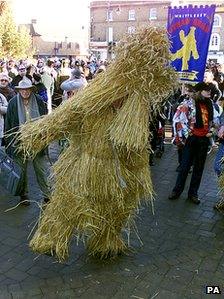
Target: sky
(55, 19)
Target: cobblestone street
(180, 253)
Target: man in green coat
(26, 106)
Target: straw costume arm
(147, 85)
(38, 134)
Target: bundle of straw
(103, 174)
(220, 204)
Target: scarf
(32, 108)
(208, 103)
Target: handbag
(10, 173)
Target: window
(131, 15)
(131, 29)
(152, 14)
(109, 15)
(110, 34)
(214, 42)
(217, 21)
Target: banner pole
(182, 88)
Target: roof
(30, 29)
(96, 4)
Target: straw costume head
(101, 177)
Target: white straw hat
(24, 84)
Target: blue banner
(190, 29)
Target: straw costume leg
(107, 240)
(116, 214)
(57, 224)
(65, 212)
(220, 204)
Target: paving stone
(56, 281)
(8, 281)
(5, 295)
(180, 275)
(2, 277)
(14, 288)
(4, 248)
(164, 294)
(123, 293)
(205, 233)
(16, 275)
(182, 249)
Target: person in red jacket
(196, 146)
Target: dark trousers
(180, 153)
(41, 171)
(194, 153)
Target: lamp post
(108, 26)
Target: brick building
(111, 19)
(50, 48)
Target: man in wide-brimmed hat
(24, 107)
(71, 86)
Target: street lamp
(108, 29)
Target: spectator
(196, 145)
(215, 92)
(72, 85)
(3, 109)
(49, 68)
(12, 71)
(48, 81)
(20, 76)
(41, 90)
(30, 70)
(24, 107)
(5, 89)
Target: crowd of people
(47, 75)
(30, 90)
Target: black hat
(202, 86)
(190, 87)
(37, 77)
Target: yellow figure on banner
(189, 48)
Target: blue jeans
(194, 153)
(218, 165)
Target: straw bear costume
(103, 175)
